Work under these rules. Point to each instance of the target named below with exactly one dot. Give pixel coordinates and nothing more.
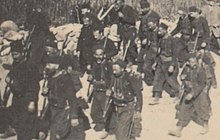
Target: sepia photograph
(109, 69)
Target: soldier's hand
(144, 42)
(42, 136)
(171, 69)
(89, 67)
(31, 107)
(45, 91)
(189, 97)
(108, 92)
(120, 14)
(203, 45)
(89, 78)
(74, 122)
(137, 115)
(154, 66)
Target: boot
(177, 132)
(205, 128)
(154, 101)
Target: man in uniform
(126, 92)
(166, 67)
(65, 121)
(200, 28)
(195, 102)
(184, 23)
(146, 13)
(100, 79)
(23, 80)
(212, 13)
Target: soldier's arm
(206, 30)
(137, 87)
(174, 51)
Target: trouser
(98, 106)
(22, 120)
(165, 80)
(148, 71)
(124, 117)
(61, 128)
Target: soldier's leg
(77, 133)
(148, 72)
(97, 109)
(124, 119)
(158, 85)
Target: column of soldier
(116, 64)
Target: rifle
(107, 106)
(90, 93)
(28, 42)
(196, 41)
(101, 16)
(126, 50)
(131, 127)
(43, 94)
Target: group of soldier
(116, 66)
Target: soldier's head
(144, 7)
(51, 45)
(17, 53)
(52, 64)
(182, 11)
(152, 24)
(87, 20)
(194, 12)
(98, 32)
(162, 30)
(99, 55)
(119, 4)
(86, 8)
(118, 68)
(193, 62)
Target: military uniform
(25, 87)
(101, 77)
(127, 98)
(64, 108)
(183, 25)
(198, 109)
(166, 58)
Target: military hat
(144, 4)
(163, 26)
(12, 35)
(86, 5)
(194, 9)
(121, 63)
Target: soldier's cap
(98, 27)
(194, 9)
(163, 26)
(12, 35)
(17, 48)
(121, 63)
(53, 59)
(86, 5)
(144, 4)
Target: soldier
(126, 21)
(200, 28)
(23, 81)
(65, 121)
(126, 90)
(212, 13)
(100, 79)
(151, 50)
(195, 102)
(184, 23)
(85, 44)
(146, 13)
(166, 67)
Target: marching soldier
(23, 80)
(126, 90)
(212, 11)
(195, 102)
(146, 13)
(200, 28)
(166, 67)
(100, 79)
(85, 43)
(65, 121)
(184, 23)
(151, 50)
